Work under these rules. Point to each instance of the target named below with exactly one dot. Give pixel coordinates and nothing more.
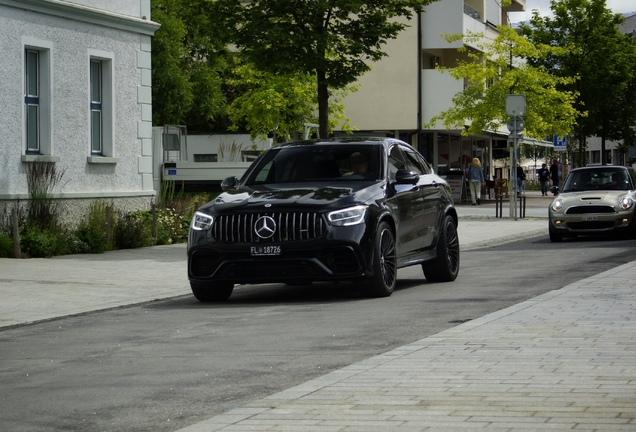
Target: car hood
(296, 197)
(604, 196)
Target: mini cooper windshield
(598, 179)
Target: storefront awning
(524, 140)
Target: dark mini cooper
(326, 210)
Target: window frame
(102, 150)
(96, 91)
(39, 147)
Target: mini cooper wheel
(211, 292)
(445, 267)
(382, 283)
(555, 237)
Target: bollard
(522, 206)
(498, 206)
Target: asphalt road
(168, 364)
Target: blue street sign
(559, 144)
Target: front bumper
(235, 264)
(591, 223)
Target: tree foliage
(602, 59)
(332, 40)
(498, 68)
(189, 57)
(281, 104)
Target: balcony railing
(472, 12)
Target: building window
(37, 136)
(429, 61)
(596, 156)
(32, 101)
(100, 105)
(96, 107)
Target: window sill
(40, 158)
(101, 160)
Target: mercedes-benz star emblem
(265, 227)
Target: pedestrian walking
(521, 177)
(544, 177)
(554, 174)
(475, 178)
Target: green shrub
(170, 227)
(43, 243)
(6, 246)
(134, 230)
(92, 231)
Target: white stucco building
(76, 92)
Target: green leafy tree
(189, 58)
(498, 68)
(281, 103)
(334, 41)
(602, 59)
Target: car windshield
(312, 163)
(598, 179)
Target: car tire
(382, 283)
(211, 292)
(445, 267)
(555, 237)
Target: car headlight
(558, 204)
(349, 216)
(201, 221)
(625, 202)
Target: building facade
(404, 90)
(76, 93)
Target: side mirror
(554, 190)
(403, 176)
(229, 183)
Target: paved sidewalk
(565, 360)
(41, 289)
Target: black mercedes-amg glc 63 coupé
(326, 210)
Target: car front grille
(590, 209)
(240, 228)
(594, 225)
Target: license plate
(589, 218)
(265, 250)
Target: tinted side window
(396, 161)
(412, 160)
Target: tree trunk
(603, 156)
(582, 148)
(323, 105)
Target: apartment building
(76, 93)
(404, 90)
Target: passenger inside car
(359, 166)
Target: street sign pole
(515, 107)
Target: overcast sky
(617, 6)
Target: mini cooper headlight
(201, 221)
(625, 202)
(347, 217)
(557, 204)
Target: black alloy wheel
(382, 283)
(445, 267)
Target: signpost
(560, 145)
(516, 108)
